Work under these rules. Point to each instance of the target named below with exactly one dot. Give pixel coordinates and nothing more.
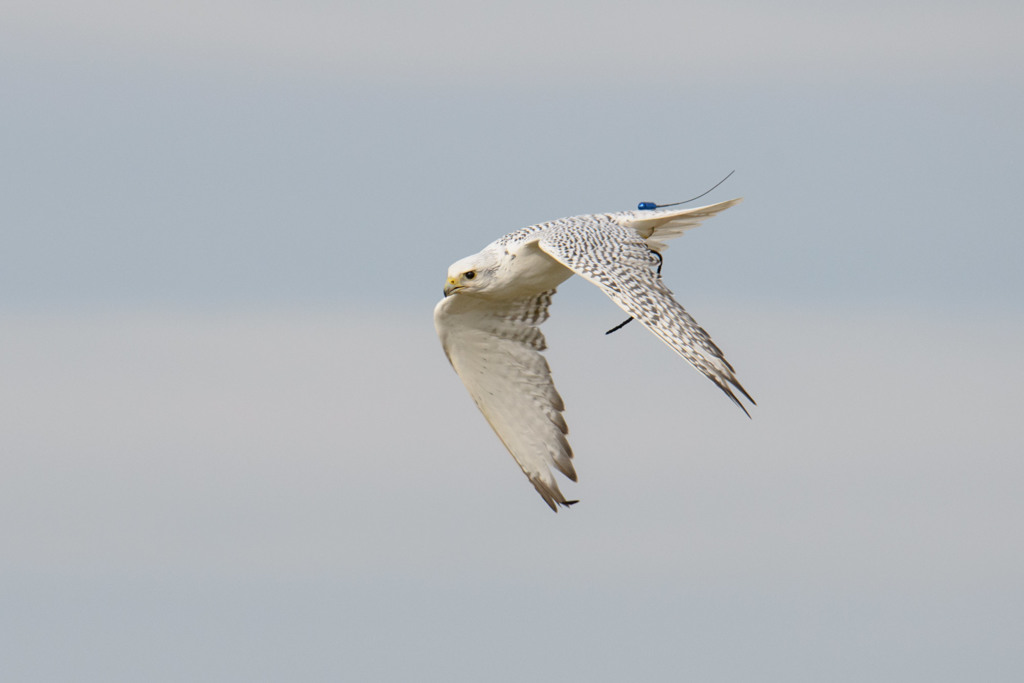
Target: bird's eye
(469, 274)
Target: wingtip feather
(550, 493)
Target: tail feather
(659, 225)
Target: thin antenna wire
(647, 206)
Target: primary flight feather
(494, 302)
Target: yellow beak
(451, 285)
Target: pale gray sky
(233, 450)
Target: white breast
(527, 270)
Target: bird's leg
(661, 262)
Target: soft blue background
(231, 447)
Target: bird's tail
(656, 226)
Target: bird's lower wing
(495, 349)
(618, 260)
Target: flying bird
(495, 300)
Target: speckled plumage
(496, 299)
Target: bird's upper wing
(619, 261)
(495, 348)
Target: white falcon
(495, 300)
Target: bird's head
(472, 274)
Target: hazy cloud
(456, 41)
(200, 484)
(198, 444)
